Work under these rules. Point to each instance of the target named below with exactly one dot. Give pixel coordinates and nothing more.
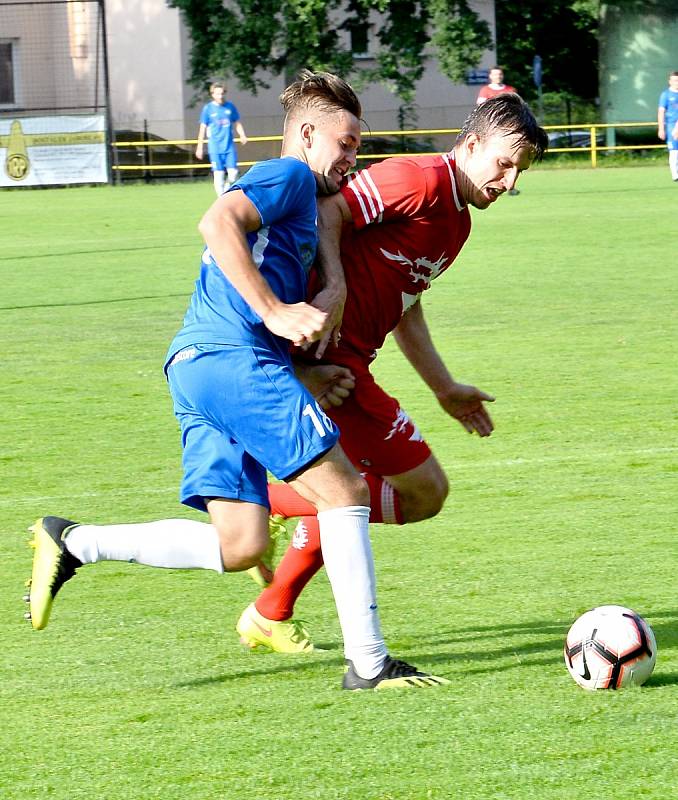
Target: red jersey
(487, 91)
(409, 224)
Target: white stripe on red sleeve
(356, 192)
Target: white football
(610, 647)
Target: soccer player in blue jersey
(667, 122)
(217, 120)
(241, 409)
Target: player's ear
(471, 143)
(307, 129)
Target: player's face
(496, 76)
(673, 83)
(491, 166)
(219, 95)
(332, 147)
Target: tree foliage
(248, 39)
(565, 36)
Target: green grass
(563, 305)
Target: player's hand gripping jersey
(409, 224)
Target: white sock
(345, 543)
(219, 182)
(232, 175)
(673, 163)
(174, 543)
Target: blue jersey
(283, 190)
(668, 100)
(219, 119)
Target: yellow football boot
(288, 636)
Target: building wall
(147, 65)
(637, 51)
(56, 60)
(149, 47)
(148, 52)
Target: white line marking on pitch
(462, 466)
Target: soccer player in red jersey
(495, 86)
(395, 227)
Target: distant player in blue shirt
(217, 120)
(667, 122)
(240, 407)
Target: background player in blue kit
(667, 122)
(217, 120)
(241, 409)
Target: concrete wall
(148, 54)
(147, 66)
(55, 56)
(637, 51)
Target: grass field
(563, 306)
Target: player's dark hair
(321, 91)
(217, 85)
(673, 74)
(507, 113)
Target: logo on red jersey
(421, 269)
(402, 424)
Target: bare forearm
(330, 224)
(414, 340)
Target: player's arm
(330, 384)
(661, 120)
(463, 402)
(224, 228)
(333, 214)
(202, 135)
(241, 132)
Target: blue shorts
(242, 411)
(223, 161)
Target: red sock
(287, 503)
(300, 563)
(384, 501)
(304, 557)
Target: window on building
(359, 41)
(7, 73)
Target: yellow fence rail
(593, 146)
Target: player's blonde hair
(319, 91)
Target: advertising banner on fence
(47, 151)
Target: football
(610, 647)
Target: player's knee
(244, 550)
(359, 490)
(426, 500)
(351, 490)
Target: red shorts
(376, 434)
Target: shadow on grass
(106, 302)
(544, 651)
(277, 665)
(658, 679)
